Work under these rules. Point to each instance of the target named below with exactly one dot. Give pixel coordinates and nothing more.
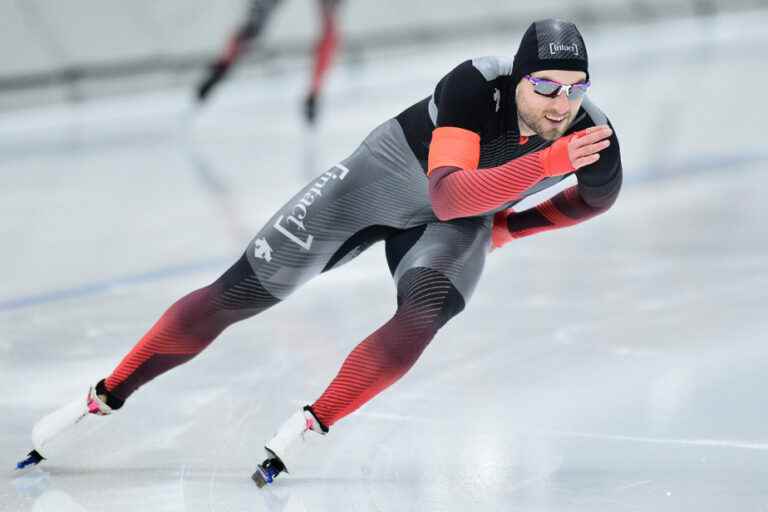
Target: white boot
(54, 424)
(285, 443)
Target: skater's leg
(259, 13)
(436, 269)
(426, 301)
(183, 331)
(318, 229)
(325, 47)
(189, 326)
(330, 221)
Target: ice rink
(637, 387)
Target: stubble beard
(539, 125)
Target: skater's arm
(598, 187)
(458, 188)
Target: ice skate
(54, 424)
(281, 449)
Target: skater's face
(546, 115)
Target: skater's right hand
(576, 150)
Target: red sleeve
(457, 189)
(456, 193)
(565, 209)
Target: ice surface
(616, 366)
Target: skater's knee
(202, 315)
(428, 297)
(192, 319)
(240, 289)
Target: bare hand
(585, 150)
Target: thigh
(300, 239)
(454, 249)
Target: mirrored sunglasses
(552, 89)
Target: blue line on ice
(105, 285)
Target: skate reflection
(32, 483)
(37, 484)
(56, 500)
(282, 500)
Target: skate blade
(33, 459)
(260, 478)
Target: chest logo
(497, 98)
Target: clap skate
(97, 402)
(282, 447)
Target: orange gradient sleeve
(453, 147)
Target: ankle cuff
(112, 401)
(322, 425)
